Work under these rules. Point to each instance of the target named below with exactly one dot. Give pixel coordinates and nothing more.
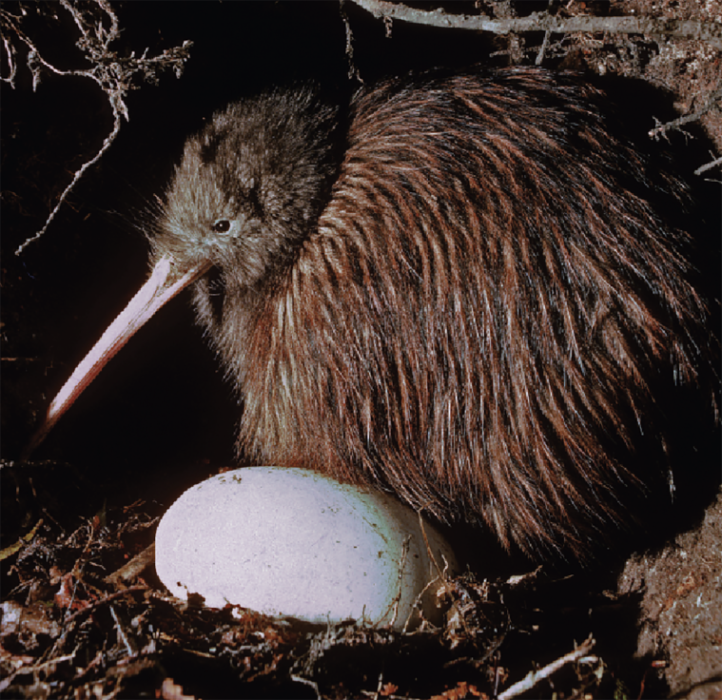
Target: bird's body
(461, 293)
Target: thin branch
(709, 32)
(534, 677)
(78, 174)
(542, 49)
(114, 74)
(104, 601)
(662, 129)
(353, 72)
(134, 567)
(307, 681)
(12, 63)
(708, 166)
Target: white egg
(292, 542)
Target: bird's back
(480, 320)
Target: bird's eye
(221, 226)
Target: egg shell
(291, 542)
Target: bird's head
(248, 190)
(249, 187)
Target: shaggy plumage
(461, 292)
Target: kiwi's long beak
(164, 283)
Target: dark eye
(221, 226)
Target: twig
(534, 677)
(78, 174)
(103, 601)
(134, 567)
(662, 129)
(307, 681)
(545, 41)
(709, 32)
(542, 48)
(12, 62)
(122, 636)
(34, 668)
(379, 686)
(111, 72)
(708, 166)
(353, 71)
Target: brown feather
(471, 308)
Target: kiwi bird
(457, 289)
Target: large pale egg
(292, 542)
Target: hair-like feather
(470, 306)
